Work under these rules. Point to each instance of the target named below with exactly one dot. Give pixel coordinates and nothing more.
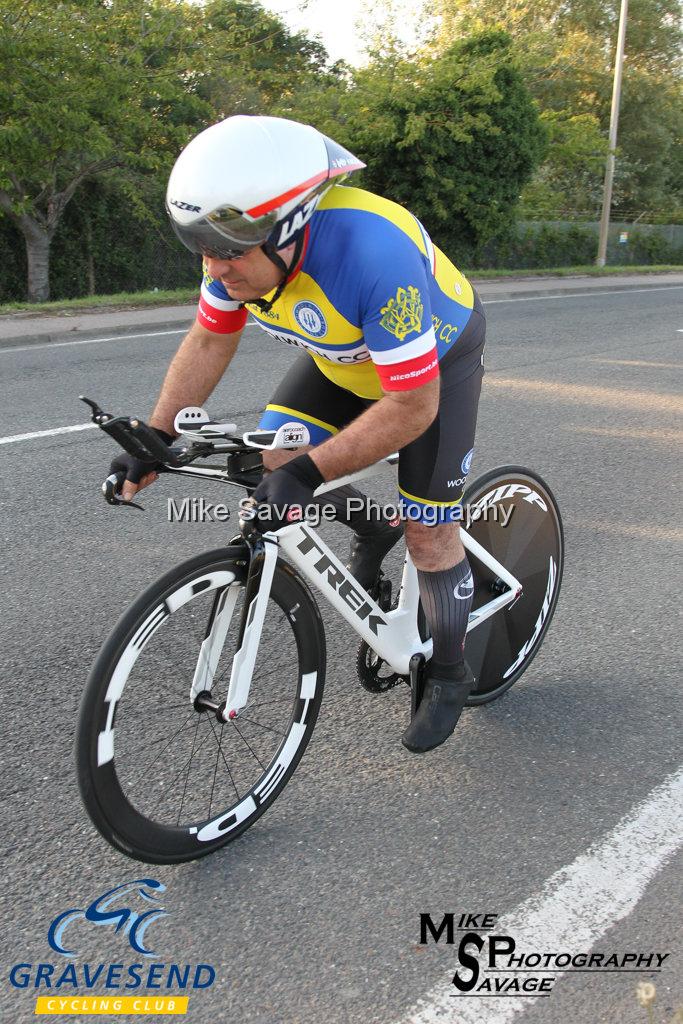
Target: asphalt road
(315, 913)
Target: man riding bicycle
(393, 337)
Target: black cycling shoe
(439, 711)
(368, 551)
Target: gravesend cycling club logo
(131, 912)
(491, 962)
(310, 317)
(107, 910)
(403, 314)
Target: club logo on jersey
(403, 314)
(310, 318)
(467, 462)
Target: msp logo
(108, 910)
(310, 317)
(467, 462)
(403, 314)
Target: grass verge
(183, 296)
(590, 269)
(123, 300)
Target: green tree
(453, 138)
(86, 86)
(566, 53)
(112, 89)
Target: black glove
(134, 468)
(288, 490)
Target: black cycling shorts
(433, 468)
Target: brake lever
(110, 489)
(98, 415)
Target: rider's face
(249, 277)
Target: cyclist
(392, 337)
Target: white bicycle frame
(393, 635)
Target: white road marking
(91, 341)
(583, 295)
(637, 362)
(47, 433)
(578, 904)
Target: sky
(332, 20)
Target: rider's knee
(433, 548)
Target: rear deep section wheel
(520, 525)
(162, 777)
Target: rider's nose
(216, 268)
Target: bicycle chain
(368, 662)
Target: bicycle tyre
(531, 547)
(104, 775)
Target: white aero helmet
(250, 181)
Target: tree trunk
(38, 256)
(90, 260)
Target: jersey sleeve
(217, 311)
(396, 319)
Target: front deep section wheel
(515, 517)
(162, 777)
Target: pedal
(417, 682)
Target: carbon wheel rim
(531, 547)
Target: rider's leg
(432, 475)
(373, 535)
(307, 397)
(446, 592)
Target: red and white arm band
(222, 316)
(410, 365)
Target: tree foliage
(453, 138)
(566, 52)
(93, 86)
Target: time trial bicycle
(204, 697)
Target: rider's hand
(138, 474)
(288, 490)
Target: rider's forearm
(387, 426)
(195, 370)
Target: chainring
(369, 666)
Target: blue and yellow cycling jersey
(373, 301)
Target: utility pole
(613, 123)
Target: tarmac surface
(557, 807)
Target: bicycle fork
(264, 553)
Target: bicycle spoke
(215, 771)
(194, 747)
(176, 776)
(227, 766)
(239, 733)
(176, 733)
(261, 725)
